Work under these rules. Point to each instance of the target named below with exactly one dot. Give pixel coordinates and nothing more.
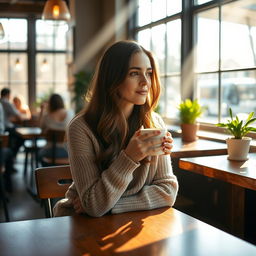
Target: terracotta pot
(189, 132)
(238, 149)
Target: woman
(22, 108)
(54, 116)
(111, 163)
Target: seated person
(11, 116)
(22, 108)
(54, 116)
(6, 159)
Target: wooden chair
(52, 182)
(55, 136)
(3, 198)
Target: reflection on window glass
(173, 7)
(239, 91)
(238, 42)
(15, 34)
(158, 44)
(144, 38)
(18, 67)
(173, 46)
(207, 85)
(172, 94)
(207, 47)
(144, 12)
(158, 9)
(50, 35)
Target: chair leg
(4, 199)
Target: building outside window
(221, 59)
(33, 68)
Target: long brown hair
(103, 114)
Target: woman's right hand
(139, 147)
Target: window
(51, 59)
(226, 61)
(221, 53)
(48, 52)
(13, 55)
(164, 40)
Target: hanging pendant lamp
(1, 31)
(56, 10)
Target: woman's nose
(144, 79)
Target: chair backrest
(52, 182)
(55, 136)
(4, 140)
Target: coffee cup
(158, 147)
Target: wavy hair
(103, 114)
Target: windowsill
(208, 135)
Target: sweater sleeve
(161, 192)
(98, 190)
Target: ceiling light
(56, 10)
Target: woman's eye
(150, 74)
(134, 73)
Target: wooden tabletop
(164, 231)
(199, 147)
(29, 132)
(241, 173)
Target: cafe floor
(21, 205)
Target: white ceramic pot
(238, 149)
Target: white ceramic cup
(159, 147)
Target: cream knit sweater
(124, 186)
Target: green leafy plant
(239, 128)
(189, 111)
(81, 85)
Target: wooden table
(164, 231)
(29, 132)
(240, 174)
(199, 147)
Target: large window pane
(208, 91)
(158, 45)
(158, 9)
(144, 12)
(173, 7)
(173, 46)
(239, 91)
(15, 34)
(4, 68)
(144, 38)
(18, 67)
(50, 35)
(172, 96)
(238, 31)
(207, 45)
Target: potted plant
(189, 111)
(238, 145)
(80, 87)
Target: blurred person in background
(6, 157)
(11, 117)
(22, 108)
(54, 116)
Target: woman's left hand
(167, 144)
(78, 205)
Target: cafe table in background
(240, 175)
(163, 231)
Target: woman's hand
(140, 147)
(78, 205)
(167, 144)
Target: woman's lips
(142, 92)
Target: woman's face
(135, 88)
